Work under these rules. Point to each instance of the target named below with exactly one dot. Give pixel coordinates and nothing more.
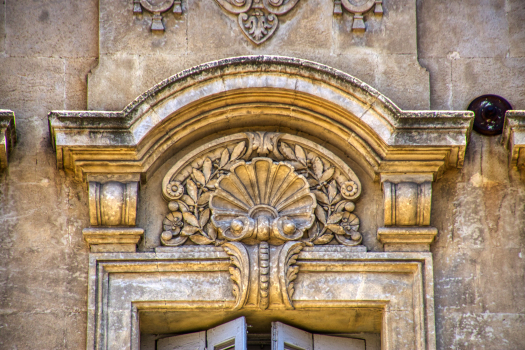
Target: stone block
(31, 86)
(472, 28)
(440, 71)
(480, 76)
(516, 18)
(58, 28)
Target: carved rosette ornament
(262, 196)
(258, 19)
(358, 8)
(157, 7)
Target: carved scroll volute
(288, 270)
(239, 271)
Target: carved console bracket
(407, 202)
(7, 136)
(112, 213)
(358, 8)
(513, 138)
(258, 19)
(157, 8)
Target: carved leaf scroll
(239, 271)
(266, 189)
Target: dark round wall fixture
(490, 114)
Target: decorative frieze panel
(157, 8)
(358, 8)
(258, 19)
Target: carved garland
(265, 189)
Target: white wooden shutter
(192, 341)
(231, 335)
(325, 342)
(285, 337)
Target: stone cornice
(7, 135)
(284, 93)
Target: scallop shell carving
(262, 201)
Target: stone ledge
(112, 239)
(406, 238)
(513, 137)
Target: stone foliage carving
(262, 196)
(358, 7)
(258, 19)
(157, 7)
(231, 194)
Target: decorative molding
(407, 205)
(203, 271)
(157, 8)
(112, 239)
(7, 136)
(513, 138)
(258, 19)
(289, 93)
(358, 8)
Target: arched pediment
(260, 93)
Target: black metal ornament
(489, 113)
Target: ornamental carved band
(262, 196)
(258, 19)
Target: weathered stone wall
(469, 48)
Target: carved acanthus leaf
(239, 271)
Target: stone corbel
(513, 138)
(112, 213)
(7, 136)
(407, 202)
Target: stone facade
(441, 207)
